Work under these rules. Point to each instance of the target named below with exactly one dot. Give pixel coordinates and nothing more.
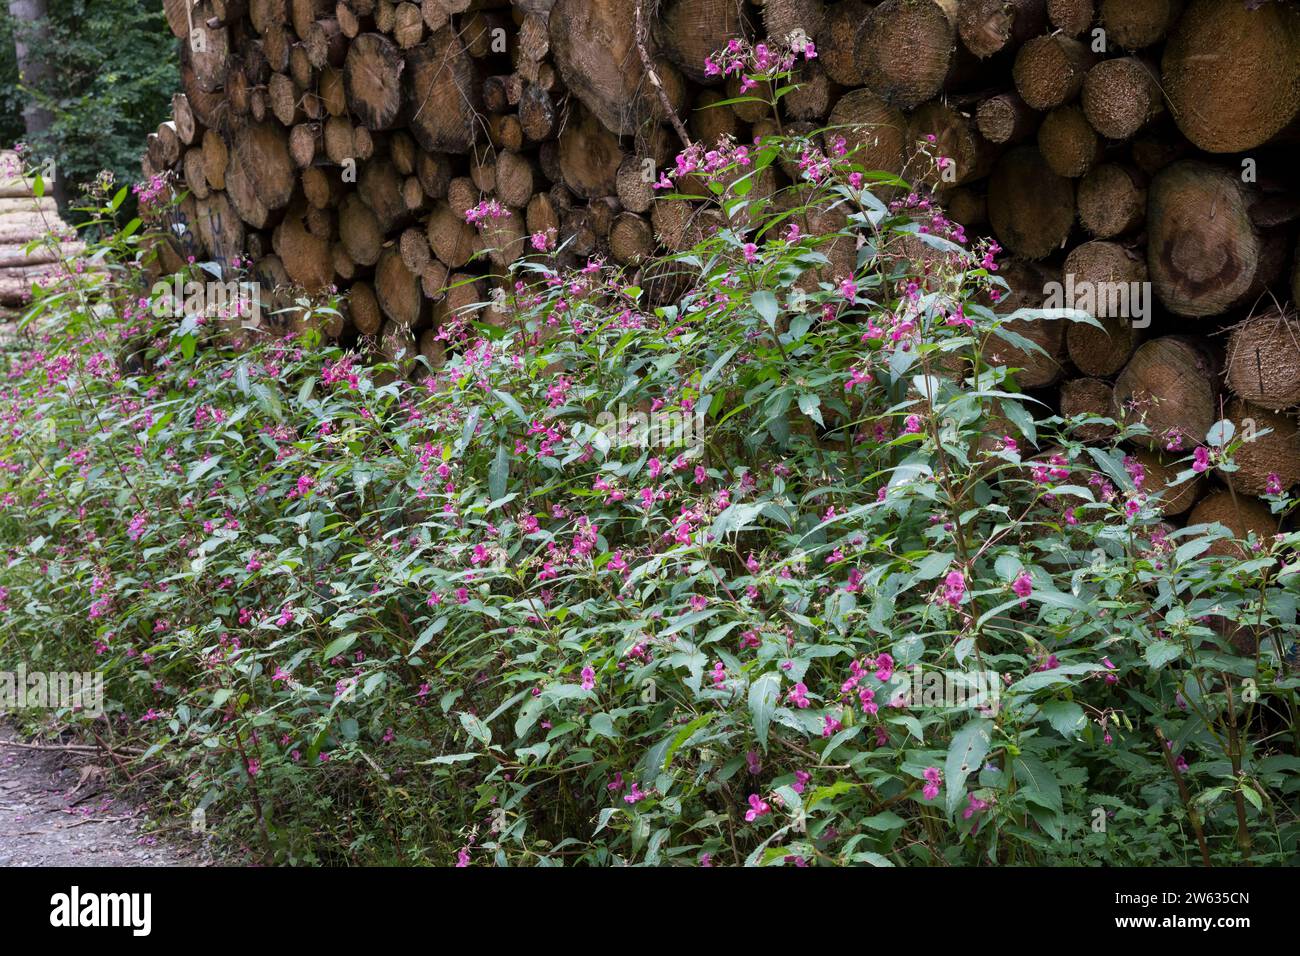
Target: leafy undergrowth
(867, 604)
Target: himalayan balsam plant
(865, 602)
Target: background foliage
(114, 76)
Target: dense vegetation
(359, 619)
(113, 76)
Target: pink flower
(954, 588)
(588, 678)
(973, 806)
(1023, 585)
(757, 808)
(933, 780)
(1200, 459)
(798, 696)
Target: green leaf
(499, 472)
(1158, 653)
(449, 758)
(1066, 717)
(811, 405)
(966, 753)
(338, 646)
(475, 728)
(766, 305)
(1036, 779)
(763, 696)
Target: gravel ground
(57, 809)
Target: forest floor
(58, 808)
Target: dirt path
(56, 810)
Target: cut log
(876, 133)
(590, 157)
(1135, 24)
(1112, 200)
(282, 96)
(534, 41)
(192, 172)
(1068, 142)
(242, 192)
(1107, 280)
(1071, 17)
(792, 22)
(303, 142)
(1104, 351)
(211, 58)
(964, 153)
(380, 187)
(364, 309)
(712, 121)
(1006, 118)
(514, 179)
(987, 27)
(443, 94)
(537, 114)
(359, 231)
(1088, 398)
(452, 240)
(1160, 474)
(433, 280)
(904, 49)
(1121, 96)
(1050, 70)
(1240, 514)
(1262, 459)
(837, 43)
(219, 229)
(435, 13)
(1170, 385)
(262, 149)
(307, 259)
(372, 77)
(1031, 209)
(812, 95)
(397, 289)
(1232, 74)
(1202, 250)
(1034, 368)
(408, 25)
(594, 47)
(631, 239)
(188, 128)
(689, 31)
(1263, 364)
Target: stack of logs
(1107, 144)
(25, 218)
